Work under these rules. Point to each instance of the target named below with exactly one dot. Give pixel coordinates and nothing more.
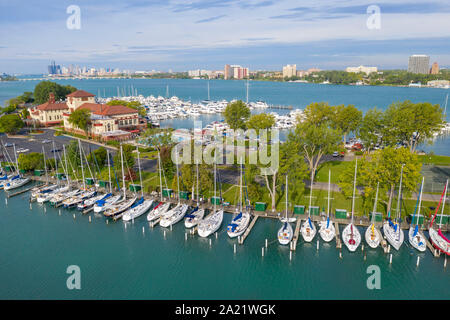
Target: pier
(247, 232)
(433, 250)
(9, 195)
(296, 232)
(338, 237)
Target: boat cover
(15, 177)
(416, 230)
(393, 225)
(5, 177)
(328, 222)
(140, 201)
(310, 224)
(238, 216)
(232, 226)
(285, 226)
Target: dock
(9, 195)
(88, 210)
(296, 232)
(433, 250)
(338, 237)
(247, 232)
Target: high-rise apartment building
(434, 68)
(289, 71)
(419, 63)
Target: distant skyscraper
(227, 72)
(434, 68)
(419, 63)
(53, 68)
(290, 70)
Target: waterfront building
(235, 72)
(107, 122)
(439, 83)
(434, 68)
(419, 63)
(289, 71)
(363, 69)
(227, 72)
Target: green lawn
(336, 168)
(434, 159)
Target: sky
(207, 34)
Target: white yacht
(173, 216)
(210, 224)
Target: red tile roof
(80, 94)
(52, 106)
(106, 110)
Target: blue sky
(183, 34)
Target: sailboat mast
(45, 164)
(215, 186)
(67, 168)
(287, 190)
(56, 160)
(310, 195)
(399, 194)
(160, 179)
(178, 180)
(140, 173)
(109, 172)
(354, 189)
(17, 162)
(123, 175)
(420, 201)
(443, 203)
(329, 187)
(240, 185)
(198, 198)
(82, 168)
(375, 203)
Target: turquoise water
(119, 262)
(297, 95)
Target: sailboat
(176, 214)
(416, 239)
(197, 214)
(327, 231)
(142, 205)
(392, 230)
(161, 207)
(373, 235)
(116, 210)
(240, 222)
(437, 238)
(308, 229)
(109, 199)
(47, 188)
(18, 180)
(350, 234)
(211, 223)
(285, 233)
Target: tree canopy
(10, 123)
(80, 118)
(236, 114)
(261, 121)
(31, 161)
(346, 118)
(44, 88)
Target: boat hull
(158, 211)
(373, 239)
(308, 230)
(242, 225)
(192, 222)
(285, 234)
(418, 241)
(327, 234)
(395, 238)
(177, 215)
(438, 242)
(211, 224)
(351, 237)
(137, 211)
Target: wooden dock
(9, 195)
(338, 236)
(247, 232)
(296, 232)
(433, 250)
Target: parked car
(55, 150)
(335, 154)
(22, 150)
(8, 144)
(46, 141)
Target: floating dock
(433, 250)
(247, 232)
(296, 232)
(338, 236)
(9, 195)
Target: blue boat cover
(392, 225)
(310, 224)
(140, 201)
(238, 216)
(232, 226)
(416, 230)
(15, 177)
(285, 226)
(5, 177)
(328, 222)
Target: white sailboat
(308, 228)
(285, 233)
(18, 180)
(373, 235)
(115, 211)
(109, 199)
(415, 237)
(47, 187)
(142, 205)
(240, 222)
(211, 223)
(391, 229)
(161, 207)
(438, 240)
(197, 214)
(61, 193)
(350, 234)
(327, 231)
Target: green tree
(318, 113)
(411, 123)
(261, 121)
(236, 114)
(31, 161)
(81, 118)
(44, 88)
(128, 159)
(371, 128)
(346, 118)
(10, 123)
(97, 158)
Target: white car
(22, 150)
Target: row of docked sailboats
(239, 222)
(16, 180)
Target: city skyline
(261, 35)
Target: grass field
(436, 160)
(336, 168)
